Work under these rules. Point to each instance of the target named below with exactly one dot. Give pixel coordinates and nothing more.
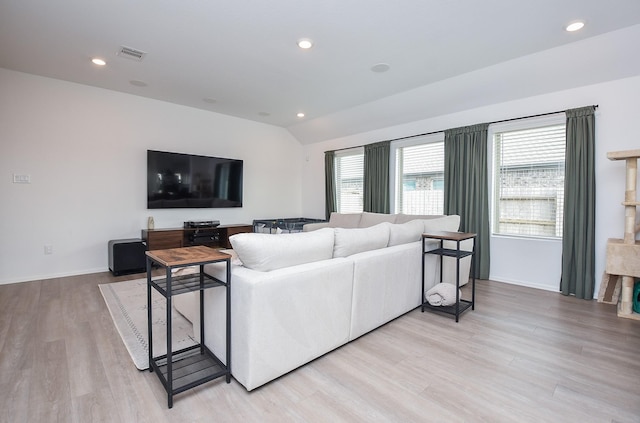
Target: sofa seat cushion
(265, 252)
(356, 240)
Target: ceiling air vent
(131, 53)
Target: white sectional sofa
(364, 220)
(295, 297)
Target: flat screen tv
(176, 180)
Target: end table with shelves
(181, 370)
(460, 305)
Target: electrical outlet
(48, 249)
(21, 179)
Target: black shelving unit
(291, 224)
(181, 370)
(460, 305)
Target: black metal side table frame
(461, 305)
(181, 370)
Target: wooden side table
(460, 305)
(192, 366)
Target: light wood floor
(523, 355)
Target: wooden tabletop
(622, 155)
(449, 236)
(187, 256)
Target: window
(419, 178)
(529, 181)
(349, 167)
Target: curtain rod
(437, 132)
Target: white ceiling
(243, 55)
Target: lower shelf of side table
(185, 283)
(451, 309)
(192, 366)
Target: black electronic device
(195, 224)
(127, 256)
(176, 180)
(203, 236)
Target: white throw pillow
(357, 240)
(265, 252)
(403, 233)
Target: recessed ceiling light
(264, 113)
(300, 115)
(98, 62)
(380, 67)
(138, 83)
(305, 43)
(209, 100)
(575, 26)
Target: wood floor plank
(20, 346)
(523, 355)
(14, 401)
(50, 398)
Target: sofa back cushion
(344, 220)
(265, 252)
(371, 219)
(349, 241)
(449, 223)
(403, 233)
(404, 218)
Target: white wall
(85, 149)
(616, 129)
(71, 138)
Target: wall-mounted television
(176, 180)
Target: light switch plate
(21, 179)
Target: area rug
(127, 304)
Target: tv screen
(176, 180)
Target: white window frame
(520, 124)
(395, 145)
(344, 153)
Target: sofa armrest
(280, 319)
(449, 263)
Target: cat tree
(623, 255)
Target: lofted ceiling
(240, 58)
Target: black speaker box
(127, 256)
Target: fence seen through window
(420, 179)
(529, 182)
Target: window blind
(529, 181)
(420, 176)
(349, 182)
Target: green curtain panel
(578, 243)
(466, 191)
(376, 177)
(329, 183)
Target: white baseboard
(53, 276)
(527, 284)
